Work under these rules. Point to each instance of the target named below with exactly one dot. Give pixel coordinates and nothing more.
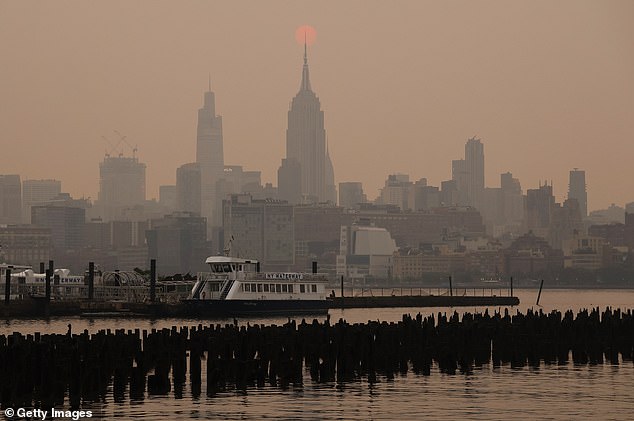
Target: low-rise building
(584, 252)
(364, 252)
(530, 256)
(415, 263)
(25, 245)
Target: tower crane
(114, 147)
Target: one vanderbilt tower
(210, 158)
(306, 143)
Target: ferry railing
(218, 281)
(359, 289)
(209, 276)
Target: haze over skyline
(547, 87)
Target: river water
(558, 392)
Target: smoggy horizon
(547, 87)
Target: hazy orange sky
(547, 85)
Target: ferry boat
(236, 286)
(27, 283)
(60, 277)
(31, 284)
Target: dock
(41, 308)
(423, 301)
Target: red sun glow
(305, 32)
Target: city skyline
(544, 95)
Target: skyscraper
(167, 197)
(539, 207)
(178, 243)
(577, 190)
(10, 199)
(188, 188)
(468, 173)
(474, 162)
(331, 189)
(260, 229)
(460, 177)
(66, 223)
(512, 202)
(289, 181)
(351, 194)
(37, 192)
(397, 191)
(306, 142)
(121, 185)
(210, 157)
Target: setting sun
(305, 33)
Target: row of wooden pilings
(56, 369)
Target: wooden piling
(153, 280)
(539, 294)
(7, 287)
(49, 274)
(91, 280)
(342, 286)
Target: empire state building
(306, 145)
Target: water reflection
(558, 390)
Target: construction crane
(123, 138)
(114, 147)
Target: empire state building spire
(305, 77)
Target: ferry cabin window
(259, 287)
(253, 287)
(266, 287)
(284, 288)
(272, 287)
(226, 267)
(313, 288)
(290, 288)
(247, 287)
(278, 288)
(302, 288)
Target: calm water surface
(550, 392)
